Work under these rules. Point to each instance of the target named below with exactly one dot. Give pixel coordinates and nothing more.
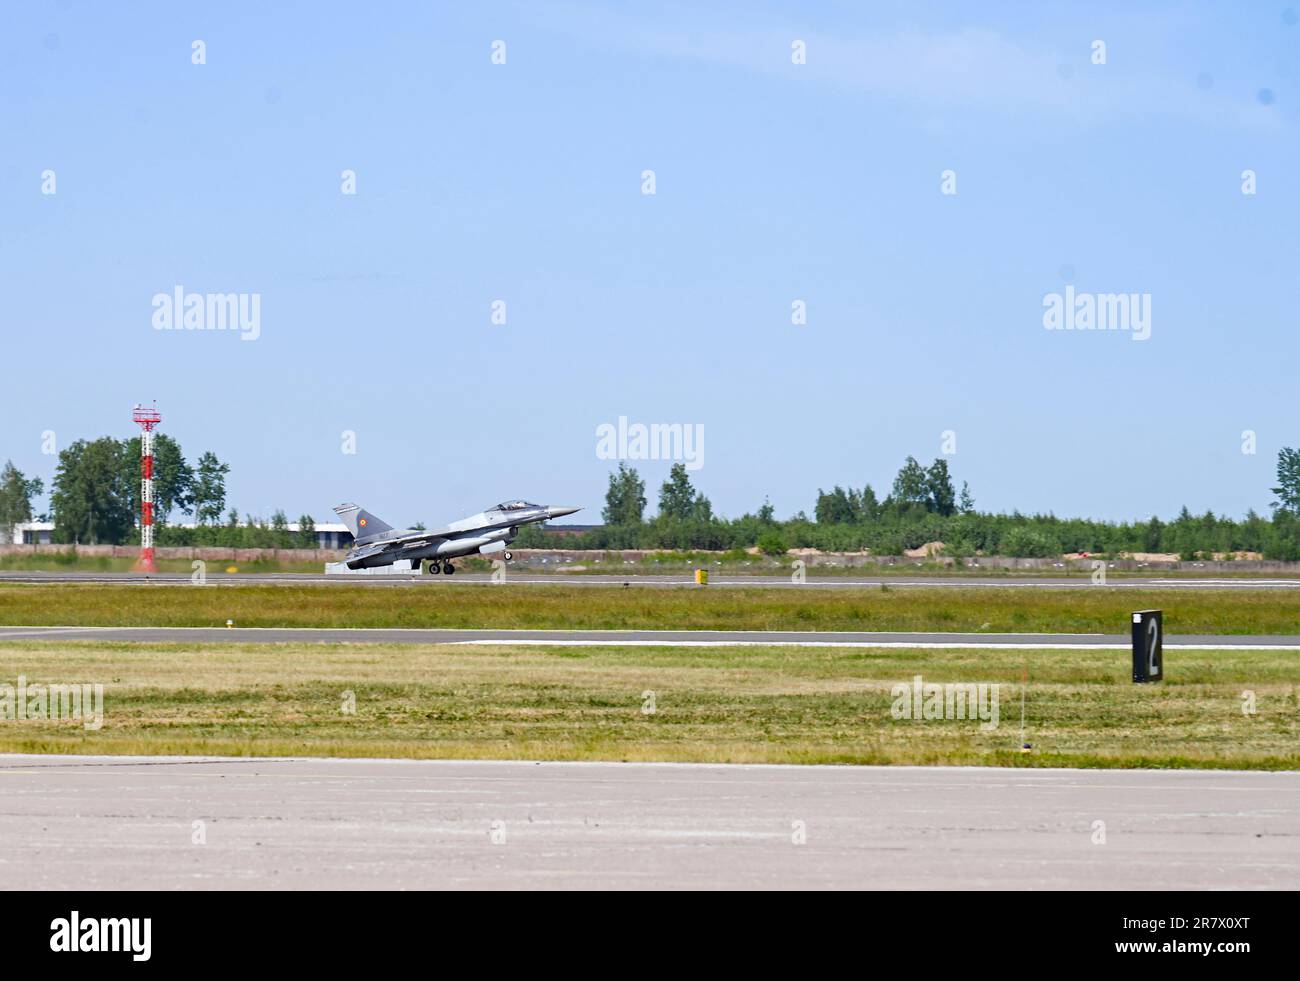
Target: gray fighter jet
(487, 533)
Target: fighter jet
(487, 533)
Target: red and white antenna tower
(146, 419)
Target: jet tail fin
(361, 522)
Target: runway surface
(177, 823)
(634, 638)
(639, 580)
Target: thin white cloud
(969, 68)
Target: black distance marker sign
(1148, 646)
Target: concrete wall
(172, 552)
(615, 560)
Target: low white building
(33, 533)
(329, 534)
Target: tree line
(95, 499)
(923, 506)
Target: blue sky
(774, 182)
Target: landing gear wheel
(449, 569)
(507, 556)
(431, 569)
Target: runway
(635, 638)
(193, 823)
(642, 580)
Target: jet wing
(410, 539)
(393, 545)
(364, 553)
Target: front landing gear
(507, 556)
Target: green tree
(865, 505)
(701, 508)
(306, 531)
(1287, 490)
(255, 534)
(1284, 542)
(173, 479)
(16, 493)
(1152, 534)
(967, 503)
(1025, 542)
(834, 508)
(1254, 532)
(625, 498)
(677, 498)
(767, 513)
(281, 537)
(208, 491)
(941, 497)
(911, 486)
(89, 498)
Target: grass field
(1086, 610)
(754, 704)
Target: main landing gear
(433, 568)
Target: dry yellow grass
(752, 704)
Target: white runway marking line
(910, 645)
(542, 630)
(1228, 582)
(41, 631)
(570, 641)
(727, 774)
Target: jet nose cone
(561, 512)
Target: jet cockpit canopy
(514, 506)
